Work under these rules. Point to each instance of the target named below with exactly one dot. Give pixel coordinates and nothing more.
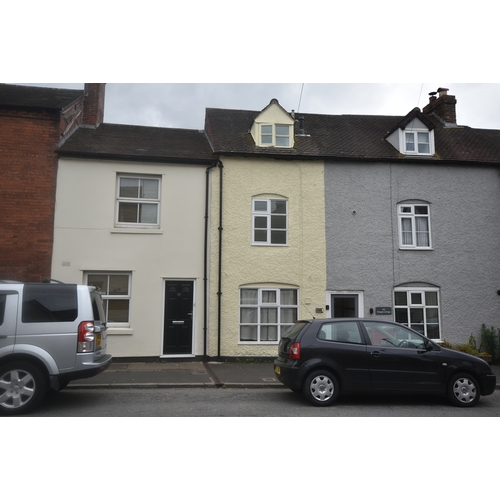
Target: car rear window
(294, 330)
(49, 303)
(3, 300)
(97, 307)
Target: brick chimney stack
(442, 107)
(93, 104)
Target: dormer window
(417, 143)
(273, 127)
(275, 135)
(413, 136)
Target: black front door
(178, 324)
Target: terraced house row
(210, 243)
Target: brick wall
(28, 168)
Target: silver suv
(50, 334)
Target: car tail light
(294, 352)
(86, 337)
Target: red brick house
(34, 121)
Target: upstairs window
(138, 201)
(414, 226)
(417, 143)
(269, 221)
(275, 135)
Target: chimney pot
(442, 91)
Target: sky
(165, 66)
(182, 105)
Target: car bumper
(288, 375)
(86, 370)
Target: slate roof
(22, 96)
(354, 137)
(139, 143)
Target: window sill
(407, 153)
(418, 249)
(249, 342)
(119, 330)
(269, 244)
(135, 230)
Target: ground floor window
(418, 308)
(266, 313)
(115, 288)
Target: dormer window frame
(276, 133)
(421, 147)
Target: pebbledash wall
(86, 240)
(300, 264)
(362, 243)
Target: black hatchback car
(324, 358)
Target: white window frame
(142, 201)
(416, 142)
(268, 214)
(407, 214)
(107, 297)
(274, 132)
(259, 306)
(416, 300)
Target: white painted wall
(85, 239)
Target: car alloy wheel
(463, 390)
(321, 388)
(21, 388)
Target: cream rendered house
(130, 219)
(267, 266)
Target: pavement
(165, 374)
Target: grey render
(363, 247)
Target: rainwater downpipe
(219, 164)
(206, 256)
(219, 286)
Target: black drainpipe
(219, 289)
(206, 257)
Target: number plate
(277, 370)
(98, 341)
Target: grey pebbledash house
(412, 221)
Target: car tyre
(463, 390)
(321, 388)
(22, 387)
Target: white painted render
(85, 239)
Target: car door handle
(177, 322)
(376, 354)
